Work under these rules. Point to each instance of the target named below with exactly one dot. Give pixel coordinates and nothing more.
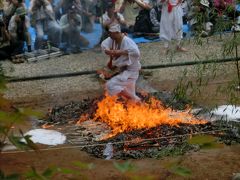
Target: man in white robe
(171, 23)
(125, 55)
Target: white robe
(171, 23)
(125, 81)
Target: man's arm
(142, 4)
(153, 17)
(116, 53)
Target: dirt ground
(219, 163)
(210, 164)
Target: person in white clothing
(124, 55)
(171, 23)
(111, 17)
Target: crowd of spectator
(61, 22)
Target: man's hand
(116, 53)
(104, 74)
(73, 22)
(17, 19)
(109, 52)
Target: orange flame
(128, 116)
(83, 117)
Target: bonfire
(123, 116)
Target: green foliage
(124, 167)
(50, 172)
(22, 142)
(30, 112)
(46, 175)
(127, 168)
(180, 91)
(232, 95)
(82, 165)
(177, 169)
(230, 44)
(7, 120)
(180, 171)
(2, 80)
(9, 116)
(221, 24)
(205, 142)
(174, 151)
(9, 177)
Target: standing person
(171, 23)
(124, 55)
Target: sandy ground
(205, 164)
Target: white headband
(115, 28)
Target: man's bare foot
(181, 49)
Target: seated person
(71, 24)
(111, 17)
(222, 5)
(227, 9)
(88, 14)
(65, 5)
(200, 24)
(131, 8)
(18, 30)
(5, 48)
(43, 20)
(10, 9)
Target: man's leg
(40, 34)
(28, 41)
(54, 33)
(166, 46)
(75, 41)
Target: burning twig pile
(72, 112)
(147, 142)
(69, 113)
(122, 129)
